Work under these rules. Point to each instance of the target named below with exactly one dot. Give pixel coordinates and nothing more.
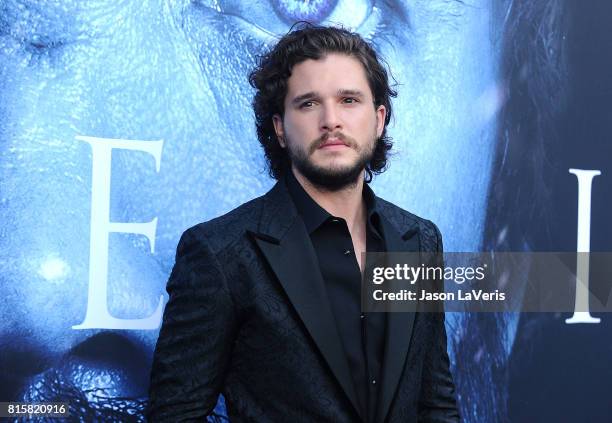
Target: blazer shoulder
(403, 220)
(228, 228)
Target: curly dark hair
(306, 41)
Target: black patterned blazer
(248, 317)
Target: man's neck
(346, 203)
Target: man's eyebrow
(302, 97)
(352, 93)
(313, 95)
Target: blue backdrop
(122, 123)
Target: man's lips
(333, 142)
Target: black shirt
(362, 334)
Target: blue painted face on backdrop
(175, 72)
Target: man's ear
(277, 121)
(381, 115)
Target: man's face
(330, 125)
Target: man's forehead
(331, 74)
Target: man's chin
(332, 179)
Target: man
(265, 301)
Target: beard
(331, 178)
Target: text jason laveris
(424, 295)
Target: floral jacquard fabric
(232, 327)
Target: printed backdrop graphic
(122, 123)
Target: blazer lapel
(399, 324)
(285, 243)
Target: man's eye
(350, 100)
(312, 11)
(306, 105)
(269, 17)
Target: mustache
(350, 142)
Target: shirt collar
(314, 215)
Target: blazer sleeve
(195, 339)
(437, 401)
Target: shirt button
(373, 381)
(335, 220)
(347, 252)
(362, 316)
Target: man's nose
(330, 118)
